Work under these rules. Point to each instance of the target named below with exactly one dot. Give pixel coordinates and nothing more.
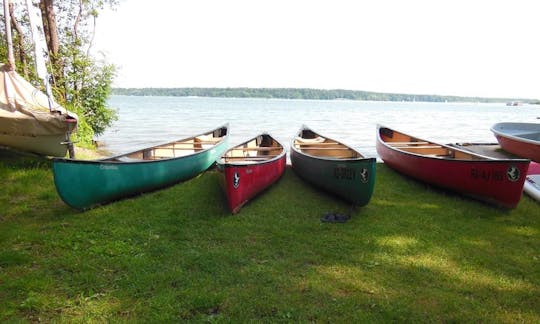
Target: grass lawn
(413, 254)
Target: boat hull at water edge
(352, 180)
(85, 184)
(499, 182)
(521, 139)
(49, 145)
(243, 182)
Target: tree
(20, 40)
(79, 81)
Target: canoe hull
(243, 182)
(85, 184)
(499, 182)
(333, 166)
(352, 180)
(519, 148)
(521, 139)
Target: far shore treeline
(304, 93)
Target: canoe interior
(527, 131)
(259, 149)
(407, 143)
(311, 143)
(175, 149)
(530, 136)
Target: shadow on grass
(411, 254)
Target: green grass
(413, 254)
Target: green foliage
(88, 85)
(95, 94)
(292, 93)
(413, 254)
(86, 82)
(81, 83)
(84, 135)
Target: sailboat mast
(9, 40)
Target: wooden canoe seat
(127, 159)
(207, 139)
(197, 142)
(253, 158)
(406, 143)
(317, 144)
(249, 159)
(265, 157)
(428, 150)
(323, 148)
(256, 148)
(178, 148)
(419, 147)
(310, 140)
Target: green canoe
(333, 166)
(84, 184)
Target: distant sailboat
(29, 119)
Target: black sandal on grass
(335, 218)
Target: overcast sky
(454, 47)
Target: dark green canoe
(333, 166)
(83, 184)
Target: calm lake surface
(145, 121)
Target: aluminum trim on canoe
(135, 161)
(238, 164)
(298, 150)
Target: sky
(485, 48)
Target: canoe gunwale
(240, 164)
(360, 157)
(115, 160)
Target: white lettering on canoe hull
(108, 167)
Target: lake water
(145, 121)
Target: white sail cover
(24, 110)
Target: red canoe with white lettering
(249, 168)
(496, 181)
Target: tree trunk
(9, 41)
(49, 24)
(20, 40)
(51, 37)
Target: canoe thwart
(255, 148)
(407, 143)
(317, 144)
(418, 147)
(324, 148)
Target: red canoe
(497, 181)
(521, 139)
(249, 168)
